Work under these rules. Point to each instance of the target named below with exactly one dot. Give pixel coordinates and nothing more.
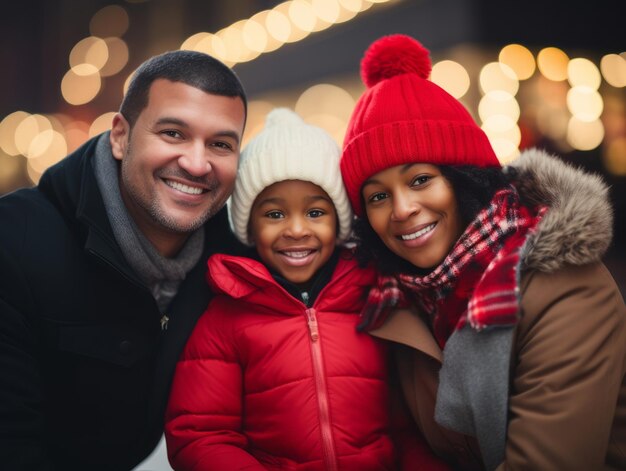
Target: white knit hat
(288, 149)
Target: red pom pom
(394, 55)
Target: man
(102, 270)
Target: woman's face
(413, 210)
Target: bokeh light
(519, 59)
(552, 63)
(452, 77)
(111, 20)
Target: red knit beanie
(402, 117)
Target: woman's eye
(274, 214)
(377, 197)
(420, 180)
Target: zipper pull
(312, 323)
(164, 322)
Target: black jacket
(84, 366)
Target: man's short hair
(193, 68)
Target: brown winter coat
(565, 408)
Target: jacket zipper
(328, 444)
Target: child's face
(293, 224)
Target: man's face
(179, 161)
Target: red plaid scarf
(475, 283)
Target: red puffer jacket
(265, 383)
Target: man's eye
(223, 145)
(172, 133)
(274, 214)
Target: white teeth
(301, 254)
(190, 190)
(419, 233)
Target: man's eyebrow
(171, 120)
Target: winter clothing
(267, 383)
(443, 294)
(549, 391)
(297, 372)
(288, 149)
(85, 367)
(402, 117)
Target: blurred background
(549, 74)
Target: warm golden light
(257, 111)
(91, 50)
(354, 6)
(302, 15)
(8, 127)
(498, 103)
(519, 59)
(615, 157)
(110, 21)
(452, 77)
(54, 149)
(326, 10)
(190, 43)
(278, 25)
(271, 43)
(333, 125)
(10, 170)
(82, 87)
(325, 99)
(505, 150)
(118, 57)
(76, 133)
(613, 67)
(584, 103)
(254, 36)
(552, 63)
(28, 130)
(101, 123)
(584, 135)
(583, 72)
(295, 33)
(497, 76)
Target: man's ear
(120, 133)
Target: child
(274, 376)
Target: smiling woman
(509, 332)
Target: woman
(510, 334)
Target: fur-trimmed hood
(577, 228)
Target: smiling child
(274, 375)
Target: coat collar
(578, 226)
(406, 327)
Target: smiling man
(103, 267)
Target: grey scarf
(161, 275)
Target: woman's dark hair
(189, 67)
(473, 189)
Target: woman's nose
(403, 206)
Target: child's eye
(315, 213)
(274, 214)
